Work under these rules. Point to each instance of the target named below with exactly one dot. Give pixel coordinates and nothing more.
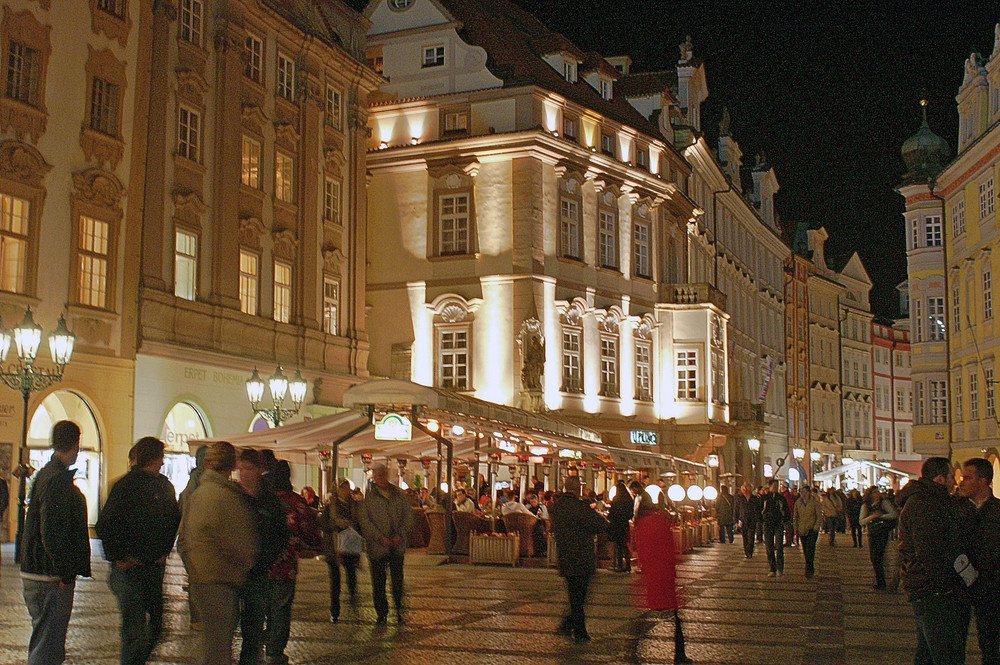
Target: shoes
(381, 620)
(682, 659)
(878, 586)
(196, 626)
(565, 628)
(780, 573)
(334, 618)
(580, 635)
(770, 574)
(399, 618)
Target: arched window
(183, 423)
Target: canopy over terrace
(860, 471)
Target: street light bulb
(711, 494)
(444, 487)
(815, 456)
(61, 343)
(612, 493)
(5, 340)
(297, 388)
(753, 444)
(675, 493)
(278, 385)
(457, 430)
(713, 461)
(654, 492)
(694, 493)
(793, 474)
(433, 425)
(799, 453)
(27, 337)
(255, 388)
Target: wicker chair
(466, 524)
(437, 523)
(523, 525)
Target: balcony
(694, 294)
(746, 412)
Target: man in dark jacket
(935, 569)
(725, 513)
(748, 515)
(55, 548)
(137, 526)
(574, 525)
(977, 476)
(774, 514)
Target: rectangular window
(718, 376)
(189, 134)
(991, 411)
(282, 292)
(642, 159)
(253, 64)
(286, 78)
(987, 202)
(22, 73)
(284, 175)
(957, 399)
(331, 305)
(643, 371)
(605, 88)
(13, 243)
(191, 21)
(913, 235)
(687, 375)
(608, 144)
(433, 56)
(113, 7)
(987, 294)
(609, 367)
(331, 200)
(185, 265)
(249, 282)
(958, 217)
(608, 240)
(901, 442)
(956, 309)
(932, 231)
(918, 316)
(104, 107)
(456, 121)
(334, 108)
(939, 402)
(918, 415)
(935, 319)
(973, 395)
(454, 220)
(250, 173)
(569, 71)
(569, 128)
(453, 359)
(640, 249)
(572, 380)
(92, 262)
(570, 229)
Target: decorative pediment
(98, 187)
(333, 156)
(189, 207)
(191, 85)
(466, 167)
(334, 260)
(285, 243)
(286, 134)
(115, 27)
(571, 172)
(453, 313)
(23, 163)
(451, 308)
(252, 117)
(251, 231)
(644, 330)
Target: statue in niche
(687, 50)
(534, 362)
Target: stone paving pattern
(463, 615)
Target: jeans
(831, 527)
(49, 606)
(808, 542)
(394, 562)
(623, 557)
(774, 542)
(748, 530)
(577, 586)
(218, 606)
(350, 562)
(878, 538)
(253, 610)
(857, 534)
(139, 591)
(280, 595)
(942, 628)
(988, 626)
(724, 531)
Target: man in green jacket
(806, 520)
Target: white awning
(859, 465)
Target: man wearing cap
(574, 525)
(386, 519)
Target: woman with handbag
(342, 544)
(880, 515)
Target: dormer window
(569, 71)
(433, 56)
(605, 88)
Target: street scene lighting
(279, 386)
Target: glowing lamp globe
(793, 475)
(694, 493)
(711, 494)
(676, 493)
(654, 492)
(612, 493)
(444, 487)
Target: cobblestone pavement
(482, 614)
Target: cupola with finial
(925, 153)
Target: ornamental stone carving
(188, 207)
(99, 188)
(252, 117)
(251, 232)
(453, 313)
(532, 345)
(334, 260)
(285, 243)
(23, 163)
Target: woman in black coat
(618, 519)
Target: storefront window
(259, 423)
(183, 423)
(66, 405)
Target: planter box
(494, 549)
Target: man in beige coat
(807, 519)
(218, 544)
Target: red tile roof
(647, 83)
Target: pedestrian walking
(748, 515)
(935, 568)
(340, 516)
(786, 492)
(658, 563)
(55, 548)
(880, 515)
(807, 518)
(218, 547)
(271, 527)
(192, 484)
(619, 515)
(137, 528)
(832, 506)
(977, 478)
(853, 508)
(774, 514)
(725, 514)
(574, 525)
(386, 519)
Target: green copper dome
(925, 153)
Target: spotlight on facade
(676, 493)
(433, 426)
(383, 145)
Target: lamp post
(754, 446)
(24, 377)
(279, 386)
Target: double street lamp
(279, 386)
(25, 377)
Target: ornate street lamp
(279, 386)
(754, 446)
(26, 378)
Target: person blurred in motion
(620, 514)
(879, 515)
(725, 514)
(340, 514)
(748, 516)
(853, 508)
(774, 514)
(657, 556)
(386, 519)
(807, 518)
(137, 527)
(977, 478)
(192, 484)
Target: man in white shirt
(512, 505)
(463, 503)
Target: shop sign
(570, 454)
(643, 437)
(394, 427)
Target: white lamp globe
(694, 493)
(654, 492)
(676, 493)
(444, 487)
(793, 475)
(711, 494)
(612, 493)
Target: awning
(860, 465)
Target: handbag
(349, 541)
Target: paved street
(473, 614)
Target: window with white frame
(987, 294)
(569, 71)
(918, 316)
(608, 240)
(939, 401)
(902, 444)
(250, 171)
(640, 247)
(687, 374)
(933, 232)
(570, 228)
(973, 395)
(249, 282)
(185, 265)
(718, 376)
(189, 133)
(643, 371)
(935, 318)
(331, 305)
(571, 374)
(192, 13)
(958, 216)
(282, 292)
(433, 56)
(956, 309)
(604, 87)
(285, 84)
(642, 158)
(453, 358)
(609, 366)
(284, 177)
(608, 143)
(92, 262)
(453, 220)
(14, 242)
(253, 63)
(991, 411)
(914, 234)
(956, 399)
(331, 200)
(918, 415)
(334, 107)
(987, 202)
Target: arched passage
(185, 421)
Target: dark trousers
(725, 530)
(253, 612)
(749, 532)
(774, 542)
(679, 652)
(350, 563)
(139, 591)
(760, 532)
(857, 534)
(808, 543)
(878, 539)
(280, 595)
(577, 586)
(942, 629)
(988, 627)
(394, 563)
(623, 557)
(831, 527)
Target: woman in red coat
(658, 560)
